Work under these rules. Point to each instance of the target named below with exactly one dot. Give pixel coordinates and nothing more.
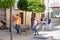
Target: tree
(37, 6)
(22, 5)
(31, 5)
(6, 3)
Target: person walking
(43, 24)
(36, 26)
(36, 29)
(18, 22)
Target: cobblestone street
(46, 35)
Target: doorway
(21, 15)
(42, 15)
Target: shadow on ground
(56, 24)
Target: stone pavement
(46, 35)
(5, 35)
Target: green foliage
(31, 5)
(6, 3)
(22, 4)
(36, 5)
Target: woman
(36, 27)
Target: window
(56, 14)
(2, 14)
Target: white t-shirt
(43, 22)
(35, 22)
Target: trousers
(17, 28)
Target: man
(49, 23)
(18, 22)
(43, 24)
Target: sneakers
(36, 34)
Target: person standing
(18, 22)
(49, 24)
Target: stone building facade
(52, 7)
(25, 16)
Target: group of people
(36, 25)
